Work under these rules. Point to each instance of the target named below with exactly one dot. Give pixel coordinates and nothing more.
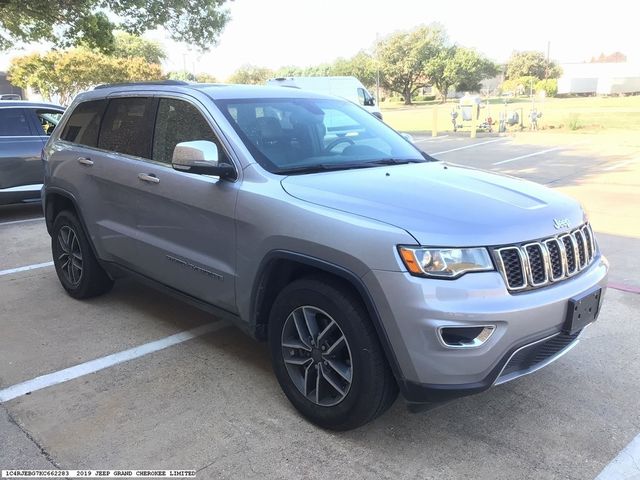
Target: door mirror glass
(200, 157)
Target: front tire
(326, 355)
(78, 270)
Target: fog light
(465, 337)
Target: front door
(185, 222)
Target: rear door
(20, 148)
(186, 225)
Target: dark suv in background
(24, 130)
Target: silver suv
(367, 266)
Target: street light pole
(377, 69)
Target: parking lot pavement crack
(43, 451)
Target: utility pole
(546, 70)
(377, 69)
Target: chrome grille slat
(536, 264)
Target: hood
(441, 204)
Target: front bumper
(412, 309)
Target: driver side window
(178, 121)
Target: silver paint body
(207, 236)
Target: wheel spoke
(332, 382)
(301, 328)
(326, 330)
(293, 343)
(297, 361)
(336, 345)
(340, 368)
(318, 376)
(311, 322)
(308, 378)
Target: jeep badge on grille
(559, 223)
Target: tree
(251, 75)
(206, 78)
(87, 23)
(181, 75)
(128, 46)
(531, 64)
(403, 57)
(361, 65)
(66, 73)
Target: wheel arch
(280, 267)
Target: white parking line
(626, 465)
(469, 146)
(541, 152)
(98, 364)
(13, 222)
(431, 140)
(24, 269)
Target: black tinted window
(14, 122)
(127, 126)
(178, 121)
(84, 123)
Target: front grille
(536, 264)
(532, 355)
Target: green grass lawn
(577, 115)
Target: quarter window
(127, 126)
(179, 121)
(14, 123)
(84, 123)
(48, 119)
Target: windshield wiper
(396, 161)
(325, 167)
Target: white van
(349, 88)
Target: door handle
(87, 162)
(148, 177)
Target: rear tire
(78, 270)
(326, 355)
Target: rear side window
(14, 123)
(84, 123)
(179, 121)
(127, 126)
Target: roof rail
(135, 84)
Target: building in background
(6, 87)
(599, 79)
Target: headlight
(445, 262)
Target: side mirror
(200, 157)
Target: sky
(273, 33)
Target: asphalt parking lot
(211, 402)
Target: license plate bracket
(582, 311)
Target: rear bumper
(413, 309)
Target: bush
(424, 98)
(574, 122)
(518, 86)
(550, 87)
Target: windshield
(290, 136)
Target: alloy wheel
(70, 257)
(317, 356)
